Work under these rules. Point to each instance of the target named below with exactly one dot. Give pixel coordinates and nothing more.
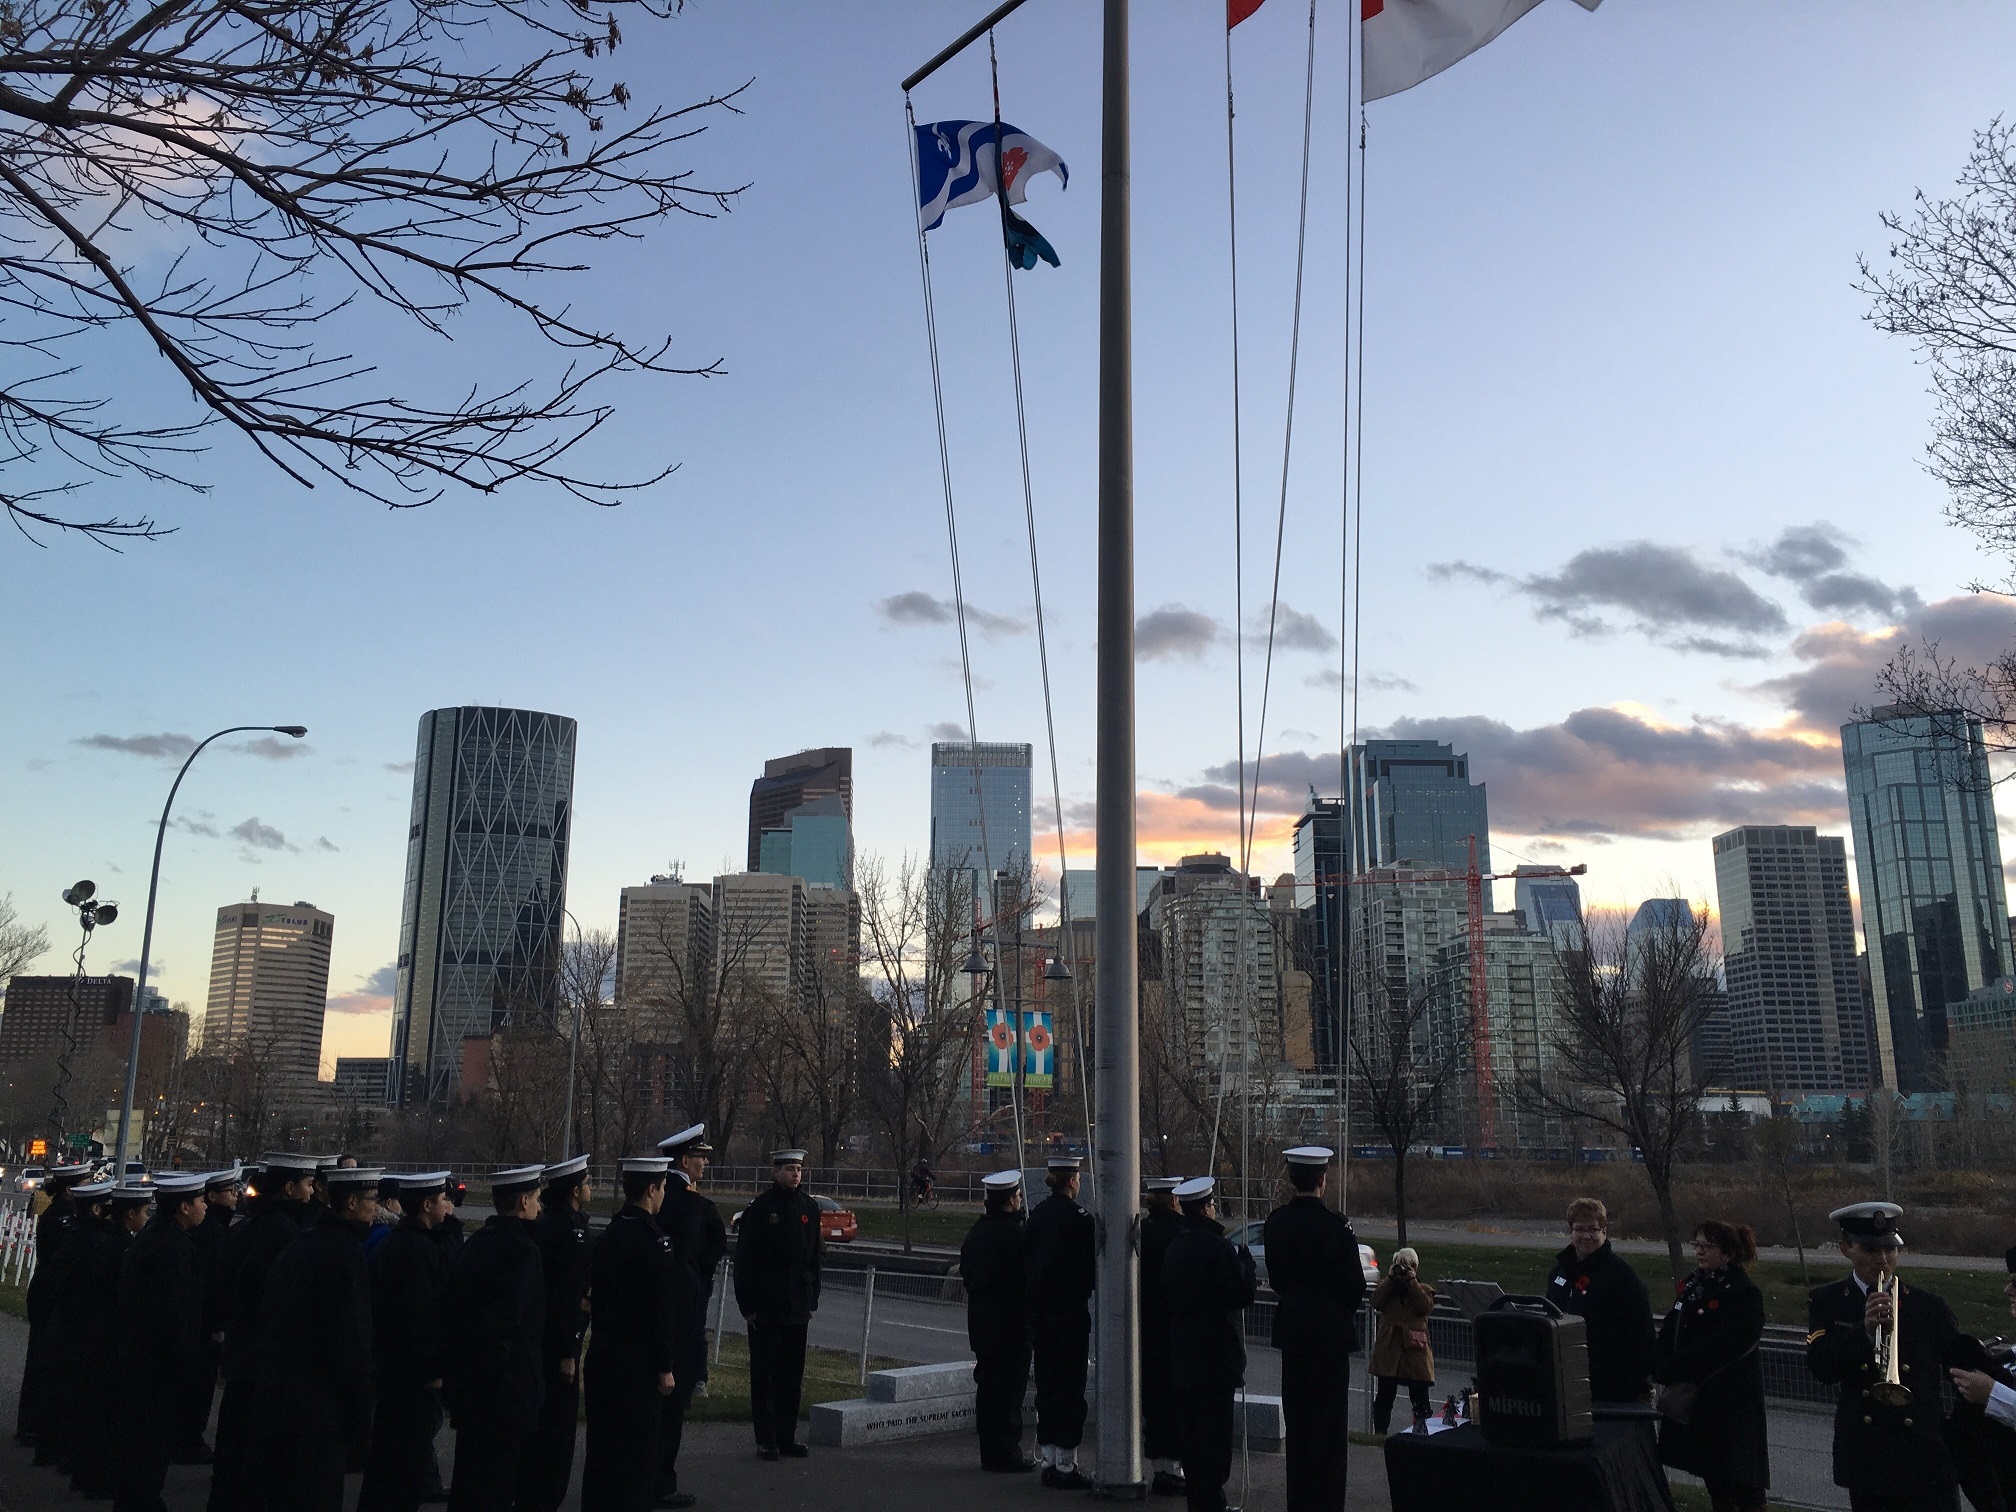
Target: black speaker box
(1533, 1374)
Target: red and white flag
(1406, 41)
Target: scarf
(1703, 1293)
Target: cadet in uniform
(632, 1344)
(1059, 1247)
(1890, 1458)
(997, 1322)
(1161, 1428)
(278, 1215)
(1988, 1386)
(37, 1413)
(777, 1251)
(699, 1241)
(82, 1297)
(546, 1461)
(389, 1213)
(314, 1373)
(1319, 1285)
(220, 1206)
(408, 1271)
(495, 1315)
(1208, 1283)
(160, 1339)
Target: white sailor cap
(419, 1183)
(350, 1178)
(1161, 1183)
(92, 1191)
(644, 1165)
(287, 1165)
(1873, 1225)
(231, 1175)
(324, 1164)
(179, 1183)
(566, 1170)
(787, 1157)
(1309, 1155)
(1064, 1162)
(515, 1179)
(1197, 1189)
(1001, 1181)
(64, 1175)
(689, 1141)
(132, 1196)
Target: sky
(1643, 503)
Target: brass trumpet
(1891, 1390)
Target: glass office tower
(1412, 801)
(1935, 917)
(980, 805)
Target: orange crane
(1480, 989)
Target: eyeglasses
(1586, 1228)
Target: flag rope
(1238, 467)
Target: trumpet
(1891, 1390)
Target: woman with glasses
(1596, 1284)
(1711, 1397)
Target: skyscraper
(760, 928)
(664, 942)
(1413, 803)
(1325, 924)
(1796, 1020)
(1220, 968)
(486, 886)
(269, 987)
(791, 782)
(980, 806)
(1550, 906)
(1929, 867)
(814, 841)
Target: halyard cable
(1238, 468)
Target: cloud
(324, 843)
(1293, 630)
(260, 836)
(373, 993)
(1842, 663)
(1814, 556)
(403, 768)
(1174, 633)
(383, 980)
(919, 608)
(949, 729)
(273, 748)
(132, 967)
(883, 740)
(159, 747)
(204, 824)
(1374, 682)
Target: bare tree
(233, 187)
(1402, 1067)
(1778, 1142)
(1628, 1009)
(809, 1071)
(713, 1010)
(20, 944)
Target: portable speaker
(1533, 1374)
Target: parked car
(1253, 1236)
(837, 1225)
(29, 1180)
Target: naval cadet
(1319, 1285)
(159, 1340)
(408, 1272)
(1060, 1247)
(1161, 1426)
(276, 1216)
(777, 1255)
(1988, 1386)
(36, 1414)
(389, 1213)
(997, 1322)
(546, 1460)
(86, 1289)
(220, 1206)
(699, 1242)
(1890, 1451)
(1208, 1282)
(632, 1344)
(494, 1311)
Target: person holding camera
(1400, 1348)
(1711, 1396)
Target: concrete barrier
(859, 1423)
(913, 1383)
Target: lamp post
(573, 1044)
(147, 931)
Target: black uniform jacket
(208, 1237)
(160, 1314)
(1878, 1450)
(494, 1310)
(699, 1241)
(1611, 1298)
(777, 1251)
(408, 1272)
(85, 1294)
(562, 1236)
(315, 1334)
(1159, 1228)
(990, 1268)
(1709, 1339)
(637, 1287)
(249, 1252)
(1317, 1277)
(54, 1229)
(1208, 1282)
(1060, 1258)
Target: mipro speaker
(1533, 1374)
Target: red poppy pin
(1713, 1303)
(1581, 1283)
(804, 1217)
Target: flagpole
(1116, 1048)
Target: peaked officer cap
(1309, 1155)
(1873, 1225)
(1197, 1189)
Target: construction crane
(1480, 988)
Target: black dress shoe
(793, 1451)
(1166, 1484)
(766, 1451)
(1021, 1464)
(678, 1500)
(1073, 1479)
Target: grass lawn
(830, 1376)
(14, 1301)
(947, 1225)
(1975, 1296)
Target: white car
(1253, 1236)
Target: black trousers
(1000, 1376)
(672, 1433)
(1058, 1349)
(1207, 1447)
(546, 1460)
(1161, 1428)
(300, 1470)
(34, 1415)
(1389, 1387)
(151, 1418)
(486, 1468)
(1944, 1499)
(231, 1473)
(623, 1412)
(202, 1388)
(1728, 1496)
(402, 1431)
(1315, 1411)
(776, 1380)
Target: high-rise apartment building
(1796, 1022)
(269, 987)
(486, 886)
(664, 941)
(38, 1007)
(980, 806)
(1928, 863)
(1221, 970)
(792, 782)
(1524, 983)
(832, 939)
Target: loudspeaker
(1533, 1374)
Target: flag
(1238, 10)
(1403, 42)
(955, 166)
(1026, 243)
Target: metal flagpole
(1117, 1136)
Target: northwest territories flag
(956, 162)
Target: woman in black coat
(1708, 1352)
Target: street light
(147, 932)
(573, 1045)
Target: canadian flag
(1406, 41)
